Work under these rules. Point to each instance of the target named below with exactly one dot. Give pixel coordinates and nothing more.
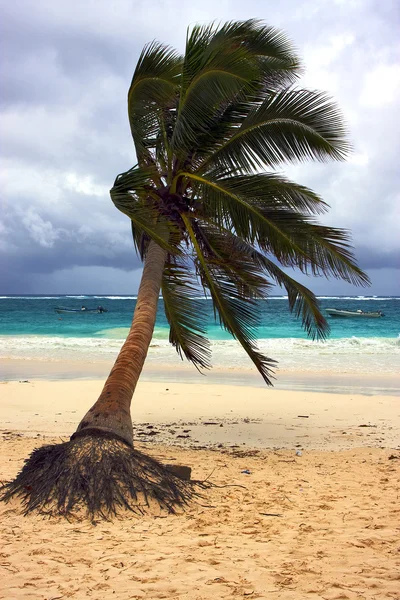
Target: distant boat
(335, 312)
(62, 309)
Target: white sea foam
(358, 298)
(80, 297)
(31, 297)
(116, 297)
(380, 298)
(345, 355)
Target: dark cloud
(374, 259)
(66, 69)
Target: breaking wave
(345, 355)
(111, 297)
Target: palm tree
(207, 207)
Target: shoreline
(352, 356)
(312, 381)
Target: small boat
(62, 309)
(336, 312)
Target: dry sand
(255, 417)
(325, 524)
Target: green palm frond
(219, 83)
(185, 314)
(225, 65)
(236, 308)
(222, 127)
(264, 190)
(331, 252)
(302, 302)
(221, 252)
(197, 42)
(247, 219)
(292, 237)
(274, 54)
(130, 194)
(275, 191)
(147, 222)
(290, 125)
(153, 87)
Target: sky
(66, 66)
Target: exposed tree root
(99, 475)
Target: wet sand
(372, 383)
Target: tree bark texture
(111, 413)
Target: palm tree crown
(209, 129)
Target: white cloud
(39, 130)
(41, 231)
(360, 159)
(84, 185)
(381, 86)
(328, 53)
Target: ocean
(30, 329)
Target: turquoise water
(30, 329)
(35, 315)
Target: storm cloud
(66, 68)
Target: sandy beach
(205, 415)
(307, 504)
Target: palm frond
(237, 311)
(236, 61)
(291, 125)
(248, 220)
(301, 300)
(225, 123)
(331, 253)
(197, 41)
(219, 83)
(272, 191)
(221, 252)
(153, 87)
(140, 241)
(293, 238)
(273, 52)
(130, 195)
(185, 314)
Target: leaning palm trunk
(112, 411)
